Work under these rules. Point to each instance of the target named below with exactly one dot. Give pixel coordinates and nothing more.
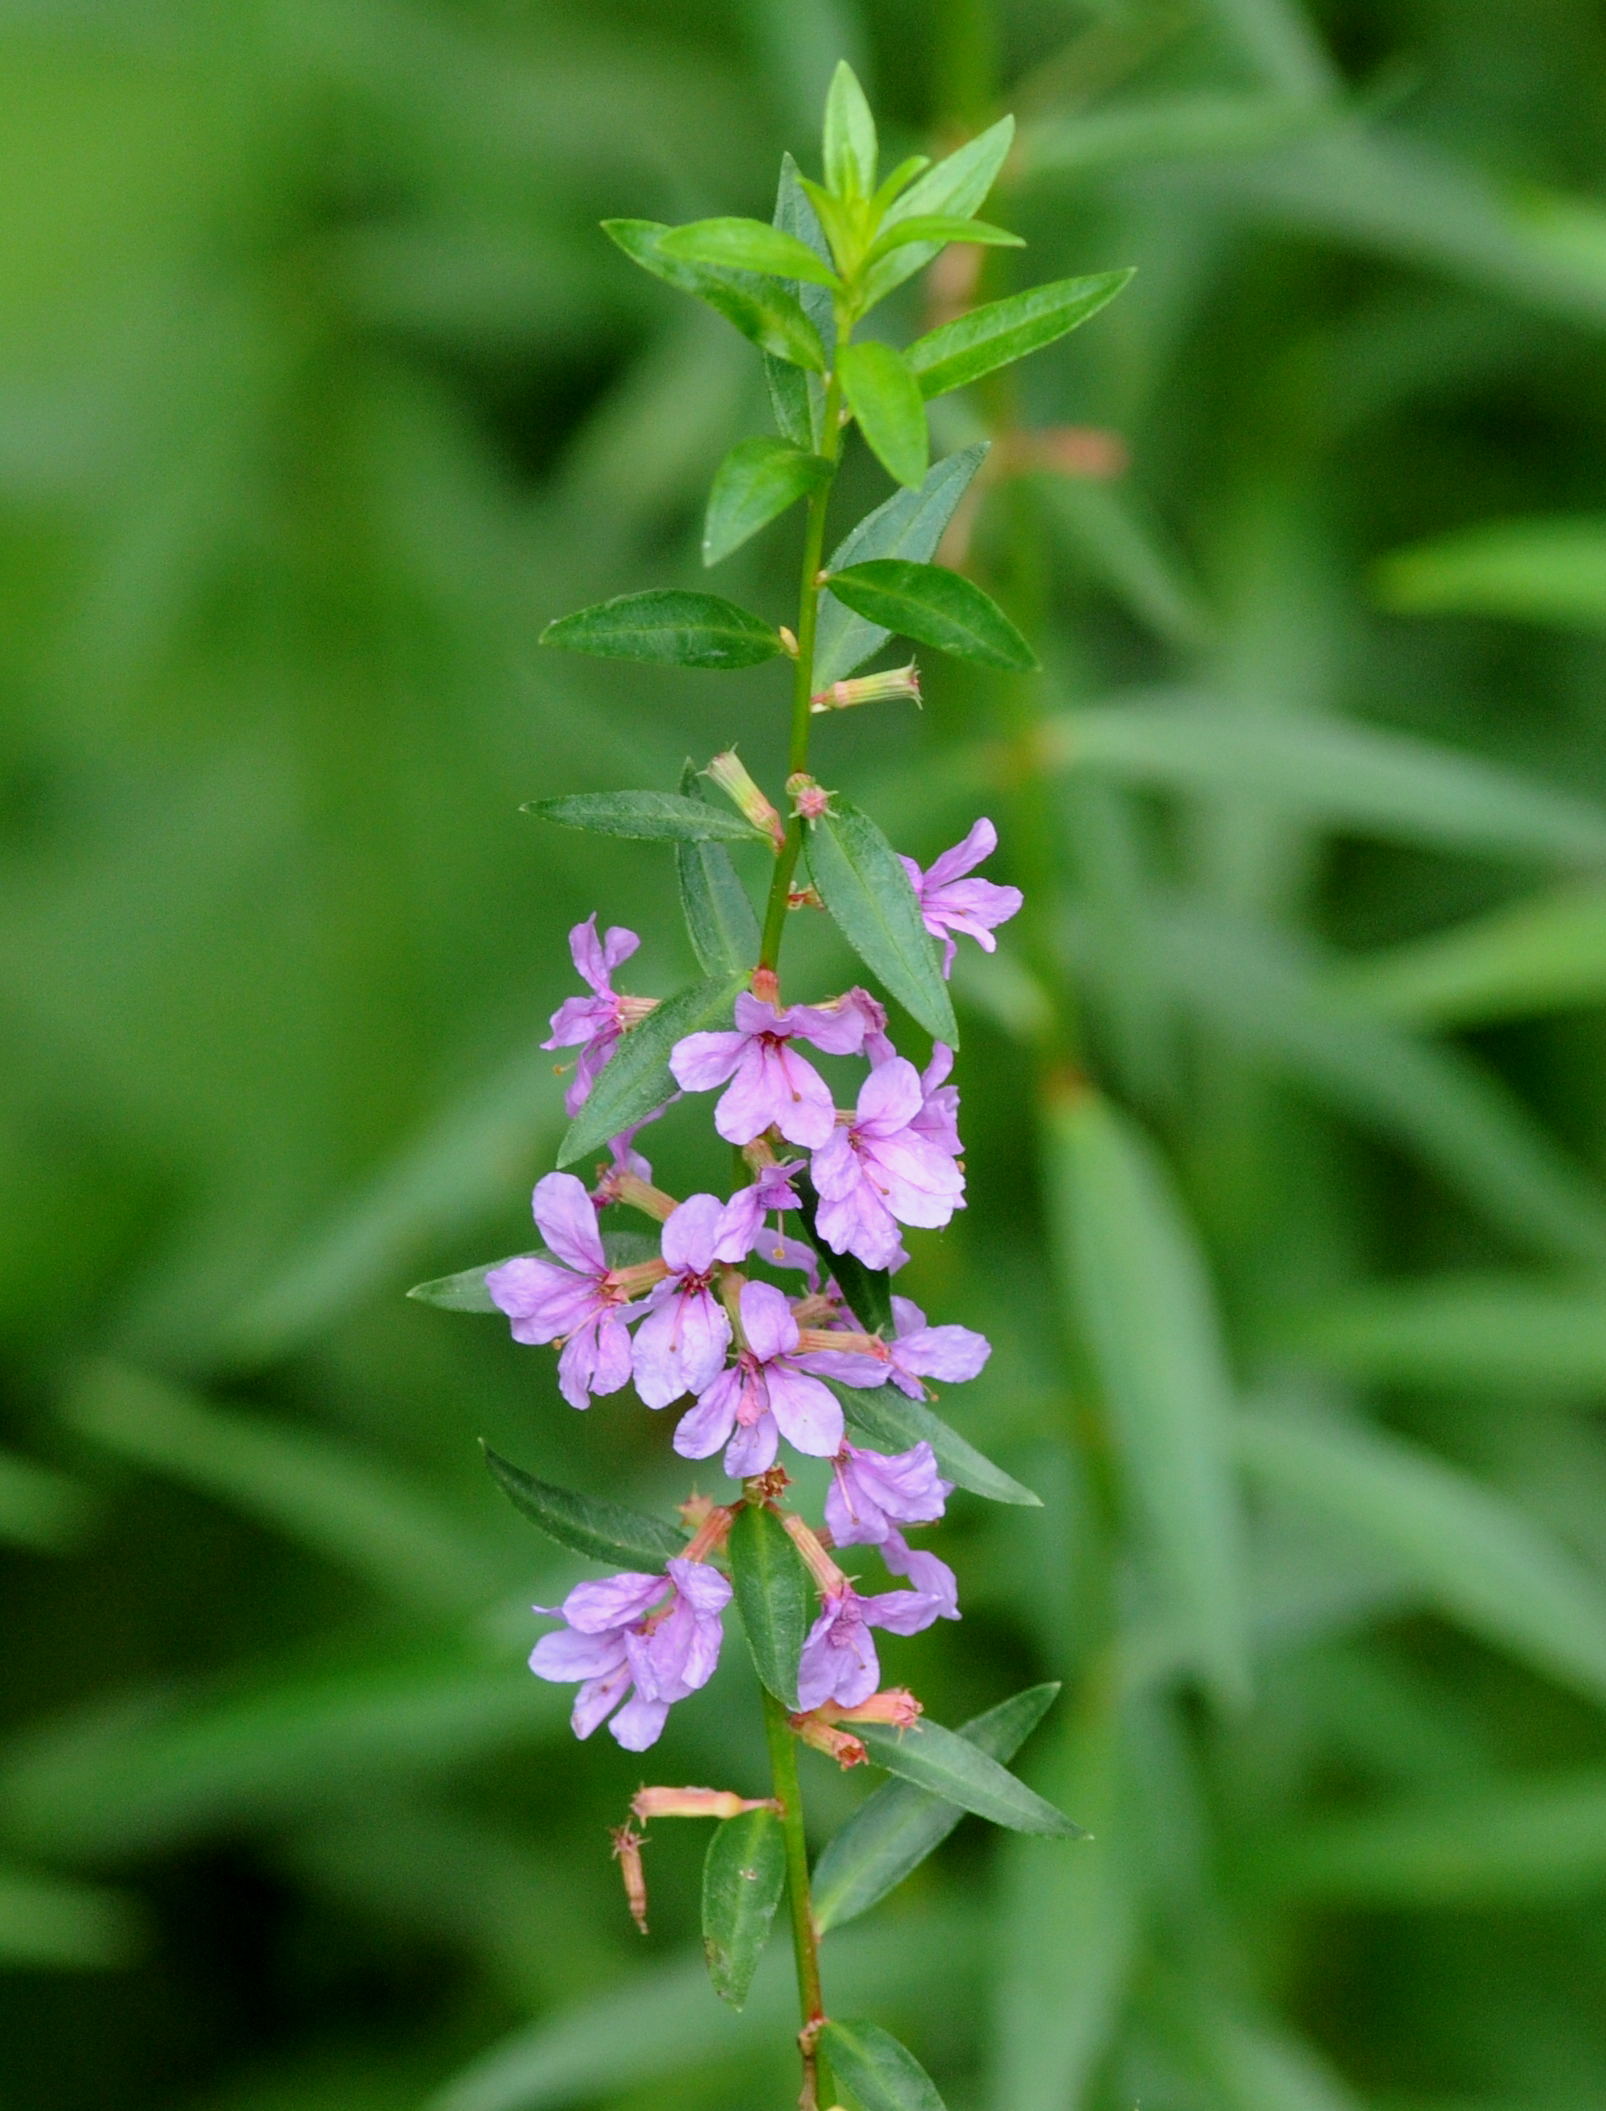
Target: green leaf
(1463, 1333)
(49, 1923)
(871, 902)
(743, 1878)
(850, 146)
(1487, 1566)
(897, 183)
(772, 1596)
(590, 1525)
(746, 245)
(955, 187)
(39, 1507)
(909, 524)
(1141, 1290)
(942, 228)
(668, 627)
(960, 1772)
(719, 917)
(465, 1291)
(877, 2072)
(798, 399)
(770, 316)
(893, 1422)
(867, 1290)
(1527, 958)
(1540, 571)
(1000, 332)
(935, 607)
(885, 398)
(893, 1831)
(635, 1078)
(644, 817)
(757, 480)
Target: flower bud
(627, 1846)
(836, 1744)
(818, 1562)
(713, 1529)
(730, 774)
(810, 801)
(696, 1803)
(896, 1705)
(617, 1184)
(891, 683)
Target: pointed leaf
(719, 917)
(956, 186)
(744, 1875)
(885, 398)
(636, 1077)
(772, 1596)
(850, 136)
(670, 628)
(466, 1291)
(1544, 953)
(960, 1772)
(868, 1290)
(877, 2072)
(909, 524)
(935, 607)
(798, 399)
(999, 333)
(1479, 1333)
(1549, 570)
(873, 905)
(893, 1422)
(893, 1831)
(645, 817)
(587, 1524)
(942, 228)
(770, 316)
(746, 245)
(757, 480)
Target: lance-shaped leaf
(850, 145)
(999, 333)
(757, 480)
(645, 817)
(893, 1422)
(798, 399)
(885, 398)
(466, 1292)
(746, 245)
(770, 316)
(909, 524)
(719, 917)
(588, 1524)
(957, 1770)
(636, 1077)
(877, 2072)
(893, 1831)
(955, 187)
(772, 1596)
(868, 1290)
(744, 1875)
(936, 607)
(861, 882)
(942, 227)
(670, 628)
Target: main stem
(805, 1935)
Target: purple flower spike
(949, 902)
(873, 1492)
(878, 1171)
(570, 1300)
(932, 1579)
(774, 1189)
(592, 1024)
(613, 1639)
(771, 1084)
(952, 1354)
(681, 1343)
(839, 1658)
(938, 1119)
(764, 1396)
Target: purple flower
(938, 1119)
(872, 1492)
(774, 1189)
(932, 1579)
(949, 902)
(681, 1343)
(772, 1085)
(592, 1024)
(613, 1639)
(877, 1171)
(877, 1046)
(952, 1354)
(839, 1659)
(764, 1396)
(571, 1299)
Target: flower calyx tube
(891, 685)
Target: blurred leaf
(743, 1878)
(894, 1829)
(767, 314)
(669, 627)
(1540, 571)
(956, 187)
(1000, 332)
(772, 1596)
(1488, 1567)
(1474, 1333)
(908, 525)
(850, 146)
(746, 245)
(877, 2072)
(1112, 535)
(1141, 1290)
(50, 1924)
(757, 480)
(589, 1524)
(961, 1772)
(936, 607)
(644, 817)
(1543, 954)
(885, 398)
(40, 1508)
(872, 903)
(635, 1079)
(893, 1422)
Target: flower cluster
(759, 1364)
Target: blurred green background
(321, 393)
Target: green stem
(805, 1935)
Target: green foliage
(757, 480)
(935, 607)
(1000, 332)
(960, 1772)
(635, 1079)
(885, 398)
(877, 2072)
(772, 1595)
(771, 316)
(744, 1875)
(872, 904)
(892, 1422)
(668, 628)
(606, 1531)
